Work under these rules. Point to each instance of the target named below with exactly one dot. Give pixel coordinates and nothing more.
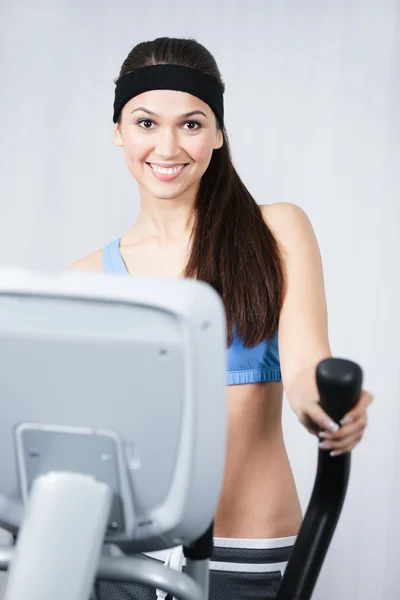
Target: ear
(219, 140)
(117, 135)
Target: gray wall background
(312, 109)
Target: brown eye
(147, 121)
(193, 123)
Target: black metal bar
(202, 548)
(339, 384)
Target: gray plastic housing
(95, 365)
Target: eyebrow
(184, 116)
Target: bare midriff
(259, 497)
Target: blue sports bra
(245, 365)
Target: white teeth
(164, 171)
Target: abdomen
(259, 497)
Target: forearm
(303, 387)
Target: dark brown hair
(232, 248)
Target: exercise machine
(113, 435)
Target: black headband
(170, 77)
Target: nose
(167, 145)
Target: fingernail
(336, 453)
(325, 435)
(332, 426)
(346, 421)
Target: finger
(316, 419)
(347, 430)
(363, 402)
(343, 445)
(346, 449)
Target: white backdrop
(312, 109)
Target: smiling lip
(166, 176)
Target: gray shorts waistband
(251, 555)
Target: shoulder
(284, 215)
(289, 224)
(91, 262)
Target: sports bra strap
(112, 259)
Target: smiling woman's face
(168, 139)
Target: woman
(197, 219)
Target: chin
(168, 194)
(166, 197)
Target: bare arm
(303, 326)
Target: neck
(168, 220)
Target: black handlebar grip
(339, 384)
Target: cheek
(136, 148)
(200, 148)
